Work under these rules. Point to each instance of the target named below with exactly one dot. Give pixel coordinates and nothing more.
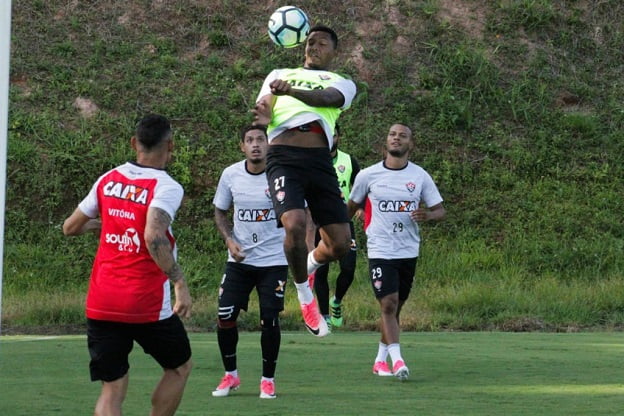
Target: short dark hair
(326, 29)
(244, 130)
(404, 124)
(152, 130)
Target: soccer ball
(288, 26)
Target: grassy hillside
(517, 106)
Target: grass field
(477, 373)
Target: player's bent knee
(225, 324)
(270, 320)
(340, 250)
(389, 304)
(185, 369)
(227, 316)
(294, 222)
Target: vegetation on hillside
(517, 105)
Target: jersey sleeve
(430, 193)
(89, 205)
(360, 188)
(223, 196)
(347, 89)
(168, 197)
(266, 89)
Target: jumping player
(300, 107)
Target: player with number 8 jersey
(255, 260)
(253, 216)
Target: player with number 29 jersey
(393, 194)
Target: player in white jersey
(255, 260)
(399, 195)
(300, 107)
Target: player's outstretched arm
(78, 223)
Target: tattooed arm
(225, 229)
(160, 249)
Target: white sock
(382, 352)
(312, 263)
(395, 352)
(304, 293)
(233, 373)
(266, 379)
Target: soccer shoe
(314, 321)
(311, 280)
(267, 389)
(381, 369)
(228, 382)
(328, 321)
(336, 313)
(400, 370)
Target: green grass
(480, 373)
(473, 303)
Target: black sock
(228, 339)
(270, 341)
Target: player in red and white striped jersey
(132, 207)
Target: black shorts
(110, 344)
(391, 276)
(240, 279)
(298, 174)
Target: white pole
(5, 46)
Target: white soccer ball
(288, 26)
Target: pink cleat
(400, 370)
(228, 382)
(314, 321)
(267, 389)
(381, 369)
